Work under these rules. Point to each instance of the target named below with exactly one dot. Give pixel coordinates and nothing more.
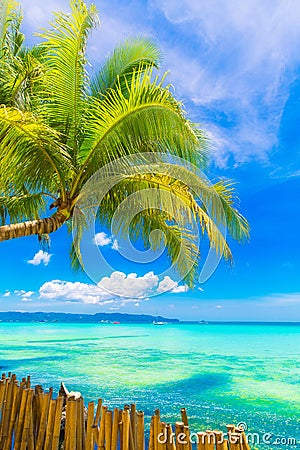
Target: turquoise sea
(221, 373)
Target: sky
(236, 66)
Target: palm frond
(149, 119)
(136, 53)
(21, 206)
(66, 77)
(10, 19)
(31, 151)
(236, 223)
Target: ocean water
(221, 373)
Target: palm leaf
(21, 206)
(148, 119)
(66, 78)
(29, 150)
(135, 53)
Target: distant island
(27, 317)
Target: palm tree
(59, 125)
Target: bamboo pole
(140, 431)
(89, 440)
(162, 436)
(3, 406)
(18, 434)
(235, 441)
(210, 440)
(57, 423)
(170, 438)
(98, 412)
(27, 419)
(115, 427)
(6, 412)
(133, 422)
(201, 438)
(80, 425)
(151, 436)
(50, 425)
(126, 429)
(155, 429)
(101, 431)
(179, 432)
(71, 425)
(184, 417)
(108, 429)
(45, 402)
(13, 416)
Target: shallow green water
(220, 373)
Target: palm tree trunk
(31, 227)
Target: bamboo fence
(31, 419)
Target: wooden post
(18, 434)
(80, 440)
(151, 436)
(45, 402)
(210, 440)
(171, 438)
(6, 413)
(101, 433)
(179, 432)
(115, 428)
(27, 420)
(14, 412)
(57, 422)
(50, 425)
(156, 418)
(162, 436)
(126, 429)
(108, 429)
(184, 417)
(235, 441)
(89, 441)
(133, 422)
(201, 439)
(140, 431)
(71, 425)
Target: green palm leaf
(66, 78)
(137, 53)
(31, 152)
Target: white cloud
(117, 289)
(179, 289)
(130, 285)
(6, 294)
(102, 239)
(39, 258)
(27, 294)
(219, 306)
(169, 285)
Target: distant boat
(155, 322)
(116, 322)
(202, 322)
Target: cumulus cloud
(6, 294)
(103, 240)
(40, 257)
(117, 289)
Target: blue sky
(236, 66)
